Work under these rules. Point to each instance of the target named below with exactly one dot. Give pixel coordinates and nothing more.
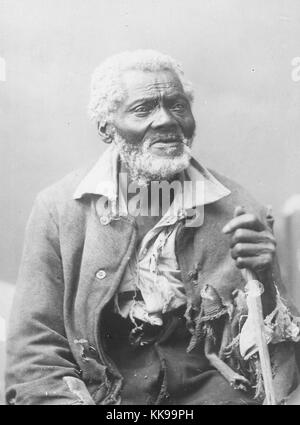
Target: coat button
(101, 274)
(104, 220)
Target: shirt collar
(102, 180)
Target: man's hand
(252, 242)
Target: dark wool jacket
(71, 268)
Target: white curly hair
(106, 85)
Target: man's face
(155, 110)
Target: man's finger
(239, 210)
(254, 263)
(252, 250)
(251, 236)
(244, 221)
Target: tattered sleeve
(40, 366)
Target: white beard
(145, 166)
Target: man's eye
(179, 107)
(143, 109)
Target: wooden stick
(254, 291)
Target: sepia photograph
(150, 204)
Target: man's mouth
(166, 142)
(167, 147)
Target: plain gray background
(237, 53)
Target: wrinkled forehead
(150, 84)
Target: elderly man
(130, 289)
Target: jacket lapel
(107, 249)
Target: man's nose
(163, 118)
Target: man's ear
(103, 132)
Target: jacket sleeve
(40, 367)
